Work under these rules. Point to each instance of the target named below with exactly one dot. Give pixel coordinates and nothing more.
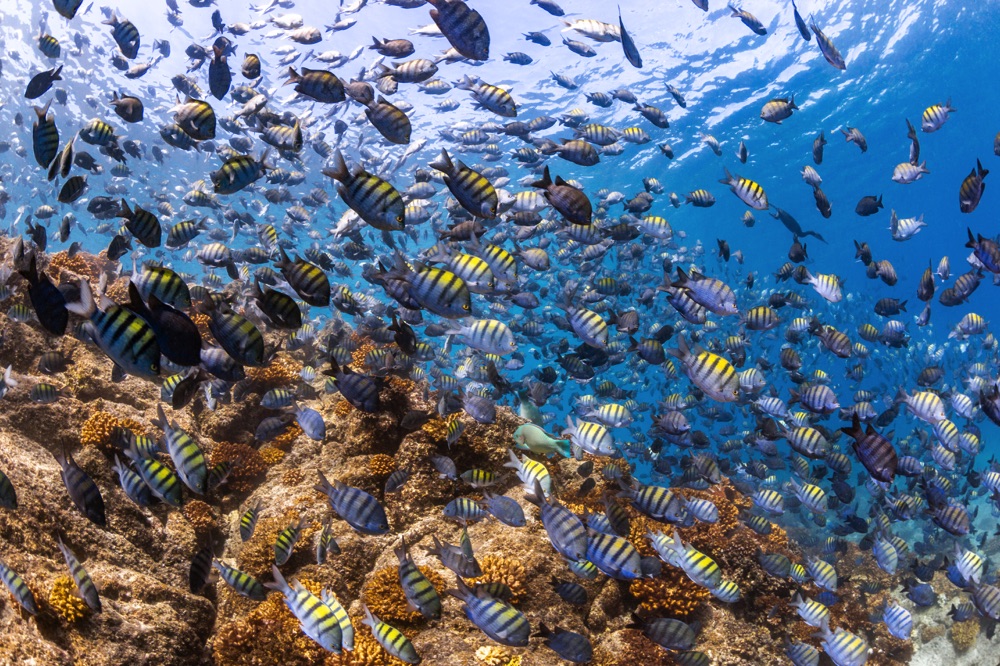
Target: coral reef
(367, 651)
(268, 636)
(271, 455)
(248, 465)
(503, 569)
(384, 596)
(98, 430)
(283, 370)
(64, 601)
(964, 634)
(200, 515)
(381, 465)
(140, 563)
(671, 594)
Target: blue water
(901, 58)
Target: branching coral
(964, 634)
(98, 430)
(248, 465)
(671, 594)
(65, 602)
(506, 570)
(384, 595)
(381, 465)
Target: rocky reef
(140, 561)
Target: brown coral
(293, 477)
(99, 428)
(342, 408)
(117, 291)
(671, 594)
(248, 465)
(285, 440)
(257, 555)
(964, 634)
(506, 570)
(381, 465)
(269, 636)
(200, 515)
(65, 602)
(436, 428)
(385, 598)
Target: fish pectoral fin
(117, 374)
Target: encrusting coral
(964, 634)
(385, 598)
(65, 602)
(501, 569)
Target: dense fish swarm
(298, 367)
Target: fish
(361, 511)
(82, 490)
(628, 46)
(316, 619)
(391, 639)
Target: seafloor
(141, 561)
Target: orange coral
(358, 355)
(65, 602)
(200, 515)
(671, 594)
(342, 408)
(436, 428)
(506, 570)
(99, 427)
(248, 465)
(384, 595)
(81, 264)
(380, 465)
(285, 440)
(269, 636)
(117, 291)
(293, 477)
(367, 651)
(271, 456)
(281, 371)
